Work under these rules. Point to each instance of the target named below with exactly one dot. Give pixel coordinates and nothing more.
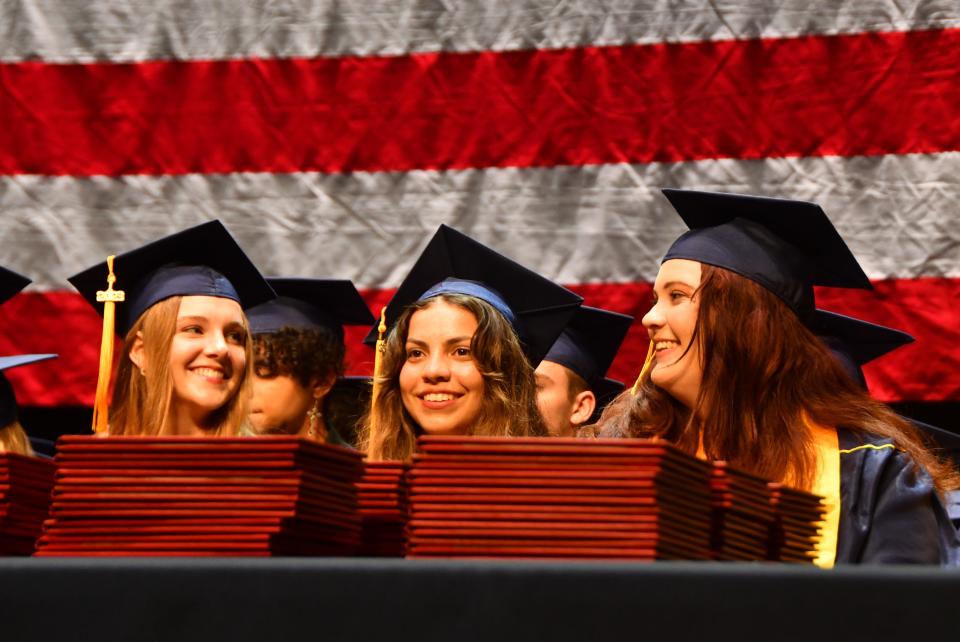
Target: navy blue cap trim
(474, 289)
(176, 280)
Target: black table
(368, 599)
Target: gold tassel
(109, 298)
(373, 418)
(647, 364)
(380, 349)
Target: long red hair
(764, 375)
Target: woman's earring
(315, 414)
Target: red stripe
(865, 94)
(928, 370)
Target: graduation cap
(786, 246)
(453, 263)
(8, 401)
(204, 260)
(855, 342)
(310, 304)
(588, 345)
(10, 284)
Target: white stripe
(132, 30)
(603, 223)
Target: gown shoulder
(890, 510)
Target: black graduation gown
(889, 510)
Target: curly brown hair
(307, 355)
(509, 405)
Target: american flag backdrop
(333, 137)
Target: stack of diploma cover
(382, 500)
(797, 524)
(25, 485)
(161, 496)
(742, 514)
(476, 497)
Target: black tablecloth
(335, 599)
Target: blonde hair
(139, 408)
(13, 439)
(509, 405)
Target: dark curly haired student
(298, 355)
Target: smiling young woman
(186, 360)
(441, 385)
(452, 366)
(671, 324)
(184, 369)
(737, 374)
(458, 358)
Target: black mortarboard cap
(8, 401)
(604, 391)
(786, 246)
(309, 304)
(589, 344)
(204, 260)
(10, 284)
(537, 308)
(856, 342)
